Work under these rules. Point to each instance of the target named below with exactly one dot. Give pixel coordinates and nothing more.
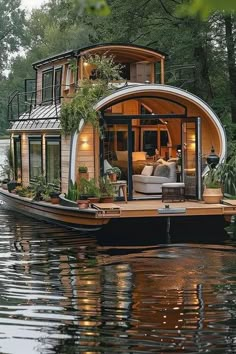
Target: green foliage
(89, 93)
(83, 169)
(223, 175)
(73, 191)
(205, 7)
(115, 170)
(212, 178)
(42, 190)
(93, 7)
(89, 188)
(106, 188)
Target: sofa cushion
(147, 171)
(162, 171)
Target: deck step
(107, 209)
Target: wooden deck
(156, 208)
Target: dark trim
(130, 167)
(36, 138)
(70, 53)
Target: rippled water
(63, 293)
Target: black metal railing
(24, 103)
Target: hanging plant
(89, 93)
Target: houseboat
(143, 121)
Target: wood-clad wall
(65, 161)
(25, 159)
(85, 155)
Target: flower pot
(83, 203)
(212, 195)
(55, 200)
(106, 199)
(94, 199)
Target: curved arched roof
(130, 52)
(163, 99)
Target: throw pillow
(147, 171)
(162, 171)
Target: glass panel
(47, 89)
(116, 148)
(164, 137)
(17, 159)
(35, 155)
(57, 83)
(150, 141)
(189, 156)
(53, 160)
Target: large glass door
(117, 147)
(191, 157)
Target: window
(51, 88)
(35, 157)
(17, 159)
(47, 89)
(150, 141)
(53, 159)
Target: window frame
(30, 139)
(55, 139)
(17, 139)
(44, 100)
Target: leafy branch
(89, 93)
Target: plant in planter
(83, 172)
(106, 189)
(73, 191)
(213, 185)
(89, 189)
(114, 173)
(223, 176)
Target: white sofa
(153, 184)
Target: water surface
(62, 292)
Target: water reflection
(63, 293)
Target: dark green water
(62, 292)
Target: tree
(12, 26)
(204, 8)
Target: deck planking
(149, 208)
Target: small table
(121, 185)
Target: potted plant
(89, 189)
(114, 173)
(54, 195)
(212, 193)
(106, 189)
(83, 172)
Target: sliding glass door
(191, 157)
(117, 147)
